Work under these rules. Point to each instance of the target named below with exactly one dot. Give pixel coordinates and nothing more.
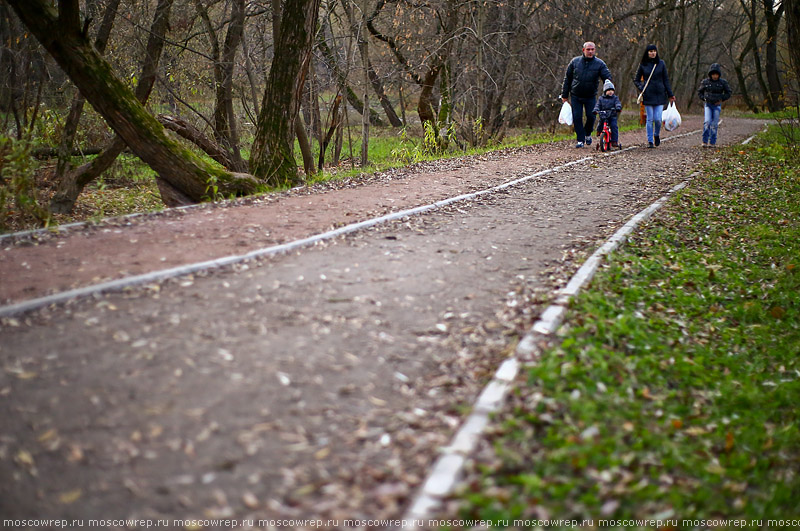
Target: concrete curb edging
(447, 468)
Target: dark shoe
(579, 145)
(614, 144)
(650, 145)
(588, 140)
(657, 140)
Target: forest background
(194, 100)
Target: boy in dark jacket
(713, 91)
(607, 108)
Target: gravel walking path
(314, 384)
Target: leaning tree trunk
(72, 184)
(183, 178)
(272, 156)
(377, 86)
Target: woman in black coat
(656, 93)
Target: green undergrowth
(392, 148)
(27, 184)
(674, 389)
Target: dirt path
(316, 384)
(53, 262)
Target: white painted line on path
(120, 284)
(117, 285)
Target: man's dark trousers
(579, 107)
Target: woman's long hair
(646, 56)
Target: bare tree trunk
(335, 123)
(425, 102)
(299, 128)
(750, 9)
(182, 177)
(352, 97)
(481, 70)
(272, 156)
(773, 17)
(74, 116)
(377, 86)
(793, 29)
(250, 70)
(225, 131)
(305, 147)
(363, 49)
(402, 97)
(740, 77)
(337, 148)
(313, 104)
(225, 112)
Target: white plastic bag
(671, 117)
(565, 116)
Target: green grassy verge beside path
(674, 389)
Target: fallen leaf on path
(70, 496)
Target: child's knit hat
(608, 85)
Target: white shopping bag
(565, 116)
(671, 117)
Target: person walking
(652, 80)
(713, 91)
(580, 89)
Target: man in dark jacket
(713, 91)
(580, 89)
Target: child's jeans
(612, 124)
(653, 120)
(711, 123)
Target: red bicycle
(604, 142)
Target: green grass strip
(675, 390)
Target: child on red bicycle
(606, 109)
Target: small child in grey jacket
(607, 108)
